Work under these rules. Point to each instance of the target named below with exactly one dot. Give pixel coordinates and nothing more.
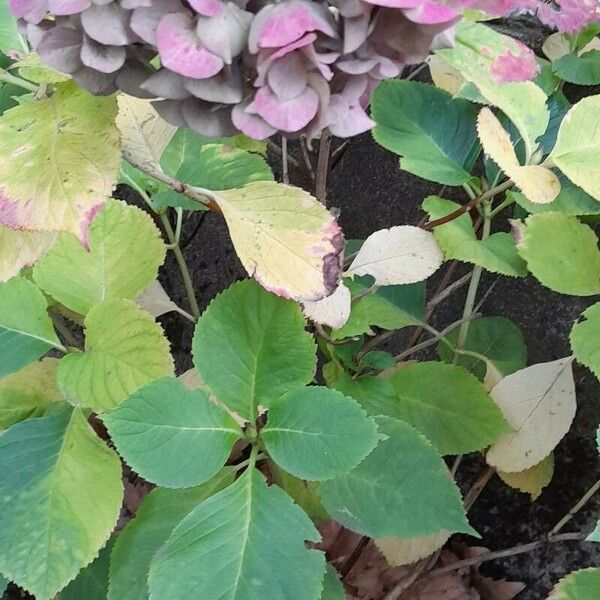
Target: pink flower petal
(68, 7)
(291, 115)
(208, 8)
(32, 11)
(145, 20)
(250, 124)
(287, 76)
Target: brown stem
(323, 167)
(349, 563)
(478, 487)
(406, 582)
(582, 502)
(285, 173)
(306, 157)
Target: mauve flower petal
(68, 7)
(356, 66)
(35, 33)
(206, 120)
(250, 124)
(60, 48)
(181, 51)
(225, 87)
(170, 111)
(106, 59)
(144, 21)
(132, 76)
(347, 119)
(166, 84)
(291, 115)
(99, 84)
(32, 11)
(108, 24)
(351, 8)
(208, 8)
(133, 4)
(287, 77)
(355, 32)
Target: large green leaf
(403, 488)
(577, 150)
(448, 406)
(561, 253)
(92, 582)
(239, 544)
(580, 585)
(29, 392)
(162, 429)
(10, 38)
(60, 160)
(332, 586)
(585, 339)
(458, 241)
(390, 307)
(154, 521)
(250, 347)
(497, 339)
(581, 70)
(316, 433)
(375, 394)
(3, 584)
(60, 497)
(124, 350)
(26, 331)
(407, 123)
(125, 251)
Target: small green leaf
(116, 265)
(124, 350)
(581, 70)
(316, 433)
(26, 331)
(92, 582)
(458, 241)
(304, 493)
(448, 406)
(251, 347)
(441, 150)
(497, 339)
(585, 337)
(162, 429)
(580, 585)
(561, 253)
(154, 521)
(376, 395)
(377, 360)
(261, 533)
(57, 474)
(29, 392)
(403, 488)
(332, 586)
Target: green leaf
(377, 360)
(124, 350)
(458, 241)
(316, 433)
(3, 584)
(251, 347)
(406, 115)
(580, 585)
(448, 406)
(390, 307)
(561, 253)
(571, 200)
(584, 339)
(60, 161)
(57, 475)
(403, 488)
(29, 392)
(92, 582)
(163, 428)
(375, 394)
(581, 70)
(10, 38)
(26, 331)
(332, 586)
(154, 521)
(260, 534)
(497, 339)
(304, 493)
(116, 265)
(577, 150)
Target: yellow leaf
(333, 311)
(144, 134)
(444, 76)
(287, 240)
(400, 552)
(533, 480)
(538, 184)
(20, 249)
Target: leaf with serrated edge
(579, 585)
(332, 586)
(533, 480)
(537, 183)
(56, 474)
(585, 338)
(20, 249)
(161, 430)
(154, 521)
(400, 552)
(155, 300)
(26, 331)
(241, 359)
(402, 489)
(286, 239)
(116, 265)
(29, 392)
(399, 255)
(60, 161)
(333, 310)
(539, 404)
(144, 135)
(124, 350)
(260, 533)
(316, 433)
(92, 582)
(562, 253)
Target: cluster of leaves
(246, 450)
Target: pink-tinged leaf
(251, 124)
(511, 67)
(278, 25)
(19, 249)
(290, 115)
(181, 51)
